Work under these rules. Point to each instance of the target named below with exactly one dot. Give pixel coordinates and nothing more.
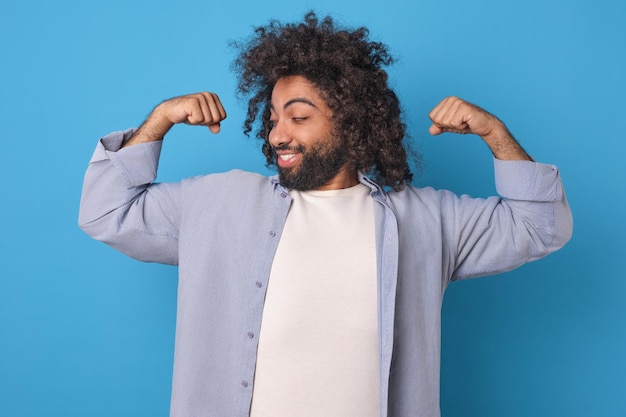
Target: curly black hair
(347, 69)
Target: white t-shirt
(318, 348)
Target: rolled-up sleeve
(122, 206)
(530, 219)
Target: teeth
(286, 157)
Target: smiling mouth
(288, 160)
(287, 156)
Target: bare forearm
(154, 128)
(503, 145)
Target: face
(309, 156)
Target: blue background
(85, 331)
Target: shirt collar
(376, 190)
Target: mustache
(298, 148)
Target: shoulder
(234, 178)
(426, 202)
(234, 185)
(415, 195)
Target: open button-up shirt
(222, 231)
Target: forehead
(296, 89)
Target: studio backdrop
(86, 331)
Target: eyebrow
(296, 100)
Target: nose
(279, 135)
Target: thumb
(214, 128)
(435, 130)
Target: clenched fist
(455, 115)
(200, 109)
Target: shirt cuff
(137, 163)
(528, 181)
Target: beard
(319, 164)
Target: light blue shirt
(222, 230)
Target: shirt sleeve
(122, 206)
(530, 219)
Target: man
(317, 292)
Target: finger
(204, 102)
(435, 116)
(441, 109)
(195, 109)
(452, 117)
(200, 109)
(220, 107)
(216, 111)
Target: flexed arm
(120, 204)
(200, 109)
(531, 217)
(455, 115)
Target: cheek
(322, 132)
(329, 129)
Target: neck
(346, 177)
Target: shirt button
(259, 284)
(244, 384)
(272, 233)
(283, 194)
(250, 335)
